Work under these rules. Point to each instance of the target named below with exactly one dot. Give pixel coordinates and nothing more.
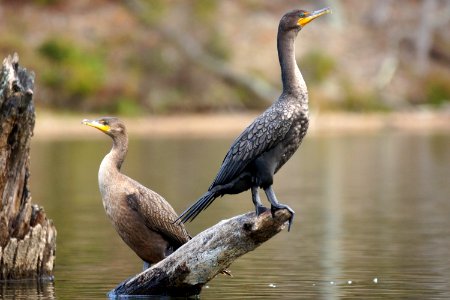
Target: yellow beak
(308, 18)
(96, 124)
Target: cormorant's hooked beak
(311, 16)
(96, 124)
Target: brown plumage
(142, 218)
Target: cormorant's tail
(201, 204)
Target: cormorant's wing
(263, 134)
(157, 214)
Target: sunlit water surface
(373, 217)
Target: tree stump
(188, 269)
(27, 237)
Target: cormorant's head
(110, 125)
(297, 19)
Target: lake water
(373, 217)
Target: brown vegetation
(205, 55)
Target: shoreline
(53, 126)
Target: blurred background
(372, 205)
(137, 57)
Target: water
(372, 217)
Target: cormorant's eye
(303, 14)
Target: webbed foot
(274, 208)
(275, 205)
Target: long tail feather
(192, 212)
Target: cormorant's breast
(295, 135)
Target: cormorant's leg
(275, 205)
(259, 208)
(146, 266)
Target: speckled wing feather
(264, 133)
(158, 215)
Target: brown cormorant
(142, 218)
(273, 137)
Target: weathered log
(27, 237)
(187, 270)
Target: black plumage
(273, 137)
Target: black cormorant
(142, 218)
(273, 137)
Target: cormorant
(142, 218)
(273, 137)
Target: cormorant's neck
(110, 167)
(114, 159)
(291, 77)
(119, 150)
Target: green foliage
(317, 66)
(246, 99)
(127, 107)
(154, 10)
(205, 9)
(10, 43)
(56, 50)
(205, 13)
(356, 100)
(72, 71)
(47, 2)
(437, 89)
(218, 47)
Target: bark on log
(187, 270)
(27, 237)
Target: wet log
(27, 237)
(188, 269)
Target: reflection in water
(367, 207)
(28, 289)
